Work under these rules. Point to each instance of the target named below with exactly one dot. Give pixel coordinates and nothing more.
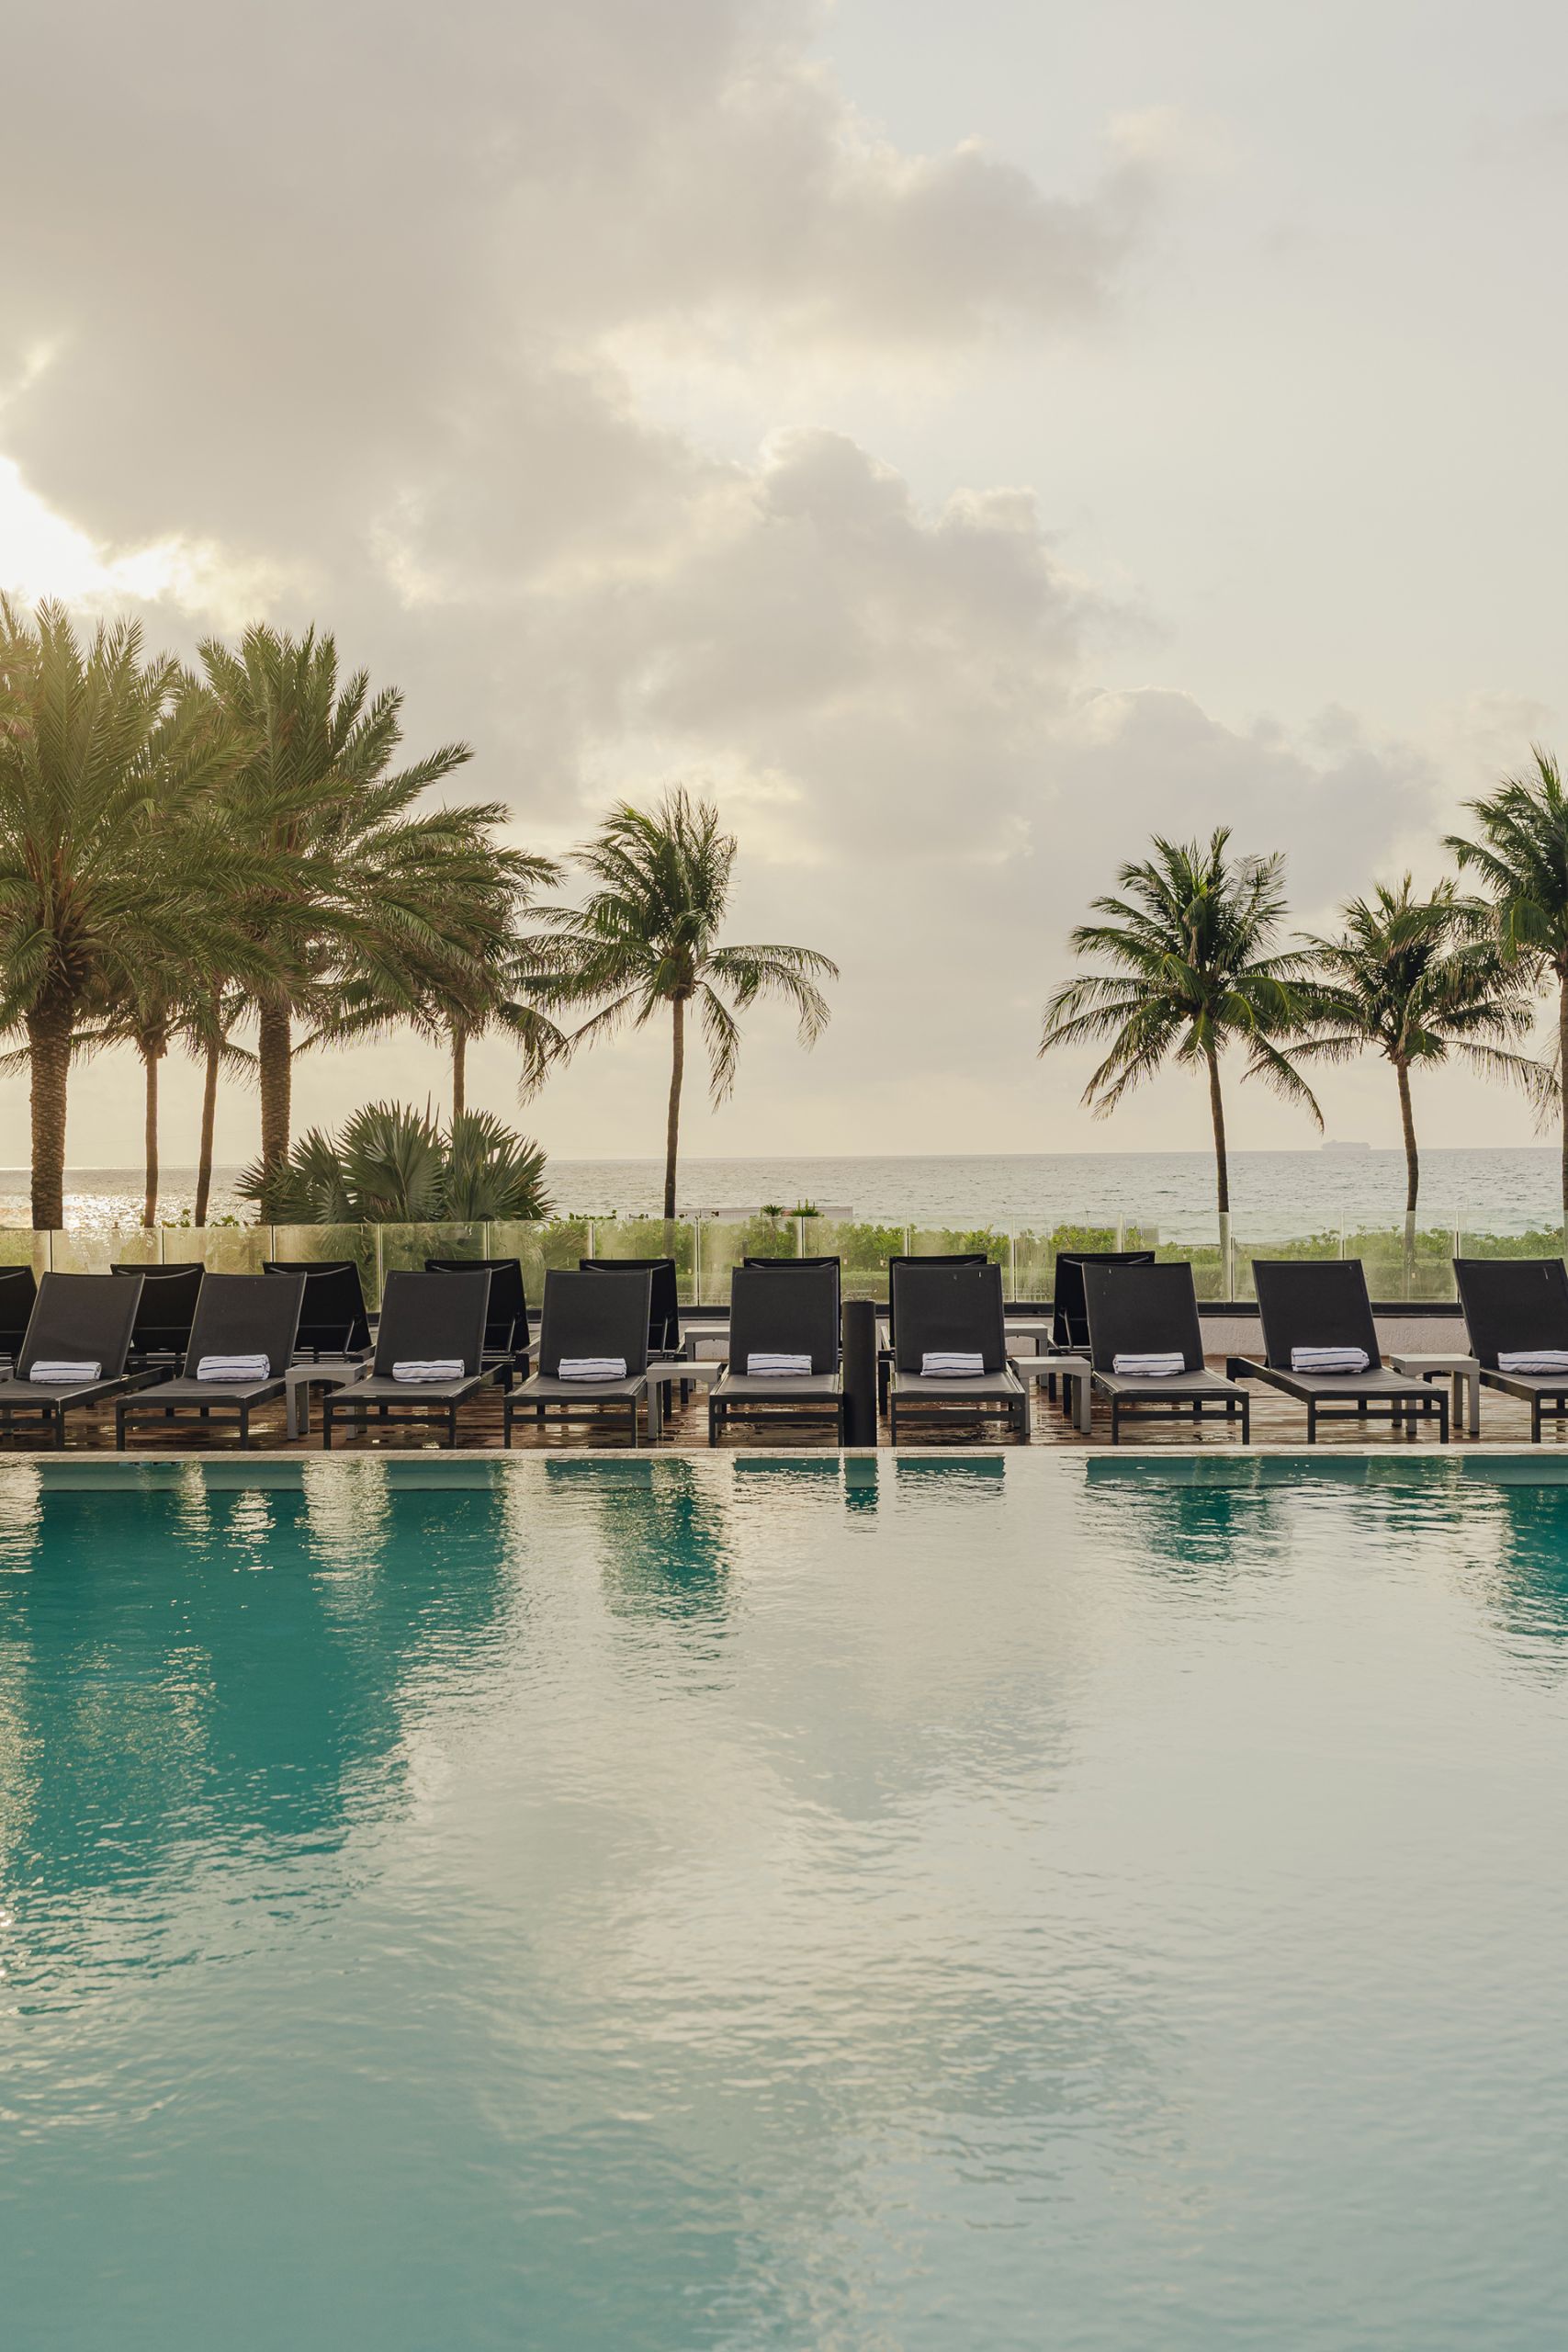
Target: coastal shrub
(394, 1165)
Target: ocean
(1274, 1193)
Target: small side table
(1465, 1374)
(301, 1378)
(1075, 1373)
(697, 1371)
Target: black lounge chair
(18, 1293)
(664, 1299)
(332, 1321)
(1148, 1309)
(1069, 1314)
(507, 1339)
(1517, 1304)
(1322, 1303)
(425, 1318)
(236, 1315)
(161, 1331)
(595, 1312)
(76, 1318)
(885, 1355)
(958, 1307)
(793, 1314)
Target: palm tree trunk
(275, 1069)
(48, 1049)
(150, 1138)
(1222, 1170)
(1412, 1174)
(672, 1126)
(459, 1070)
(209, 1123)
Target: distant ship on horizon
(1339, 1143)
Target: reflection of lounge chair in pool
(951, 1311)
(1518, 1306)
(1144, 1310)
(76, 1319)
(1309, 1303)
(236, 1316)
(425, 1320)
(782, 1311)
(593, 1317)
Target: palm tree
(102, 758)
(1194, 970)
(364, 872)
(1404, 980)
(647, 937)
(1521, 860)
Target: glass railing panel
(1539, 1241)
(1210, 1279)
(20, 1246)
(862, 1248)
(722, 1242)
(95, 1252)
(222, 1248)
(314, 1244)
(1417, 1266)
(539, 1245)
(405, 1247)
(650, 1237)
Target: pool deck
(1277, 1423)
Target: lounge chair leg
(1115, 1420)
(326, 1425)
(1312, 1422)
(57, 1422)
(119, 1431)
(244, 1428)
(1442, 1419)
(1246, 1421)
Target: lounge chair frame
(1148, 1309)
(73, 1315)
(508, 1343)
(789, 1304)
(1324, 1301)
(1520, 1302)
(235, 1315)
(952, 1305)
(428, 1316)
(597, 1311)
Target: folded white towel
(592, 1368)
(49, 1372)
(1148, 1367)
(1328, 1360)
(764, 1365)
(951, 1364)
(233, 1368)
(421, 1371)
(1543, 1361)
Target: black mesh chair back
(18, 1293)
(81, 1318)
(1069, 1317)
(168, 1302)
(603, 1311)
(1313, 1303)
(1142, 1309)
(247, 1315)
(1513, 1303)
(507, 1331)
(332, 1321)
(961, 1258)
(664, 1310)
(431, 1318)
(797, 1317)
(956, 1306)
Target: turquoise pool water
(678, 1905)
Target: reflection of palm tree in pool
(665, 1553)
(184, 1680)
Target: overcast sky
(962, 438)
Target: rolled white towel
(1148, 1367)
(1329, 1360)
(592, 1368)
(767, 1365)
(233, 1368)
(951, 1364)
(421, 1370)
(56, 1373)
(1543, 1361)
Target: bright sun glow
(42, 555)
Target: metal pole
(859, 1371)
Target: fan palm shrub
(1193, 970)
(647, 942)
(392, 1164)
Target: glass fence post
(698, 1257)
(381, 1273)
(588, 1228)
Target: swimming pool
(934, 1903)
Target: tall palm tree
(1406, 979)
(1521, 861)
(1194, 969)
(647, 937)
(102, 757)
(364, 869)
(476, 980)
